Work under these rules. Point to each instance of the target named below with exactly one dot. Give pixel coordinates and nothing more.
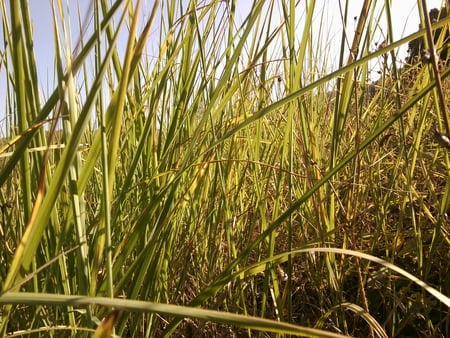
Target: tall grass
(221, 176)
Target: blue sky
(405, 19)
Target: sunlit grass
(237, 182)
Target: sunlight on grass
(237, 181)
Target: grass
(233, 182)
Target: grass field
(238, 182)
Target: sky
(405, 19)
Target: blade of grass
(35, 229)
(254, 323)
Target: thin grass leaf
(258, 324)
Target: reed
(224, 175)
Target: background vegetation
(230, 184)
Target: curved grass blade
(253, 323)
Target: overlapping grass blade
(208, 164)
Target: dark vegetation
(417, 46)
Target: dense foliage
(237, 180)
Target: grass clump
(231, 183)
